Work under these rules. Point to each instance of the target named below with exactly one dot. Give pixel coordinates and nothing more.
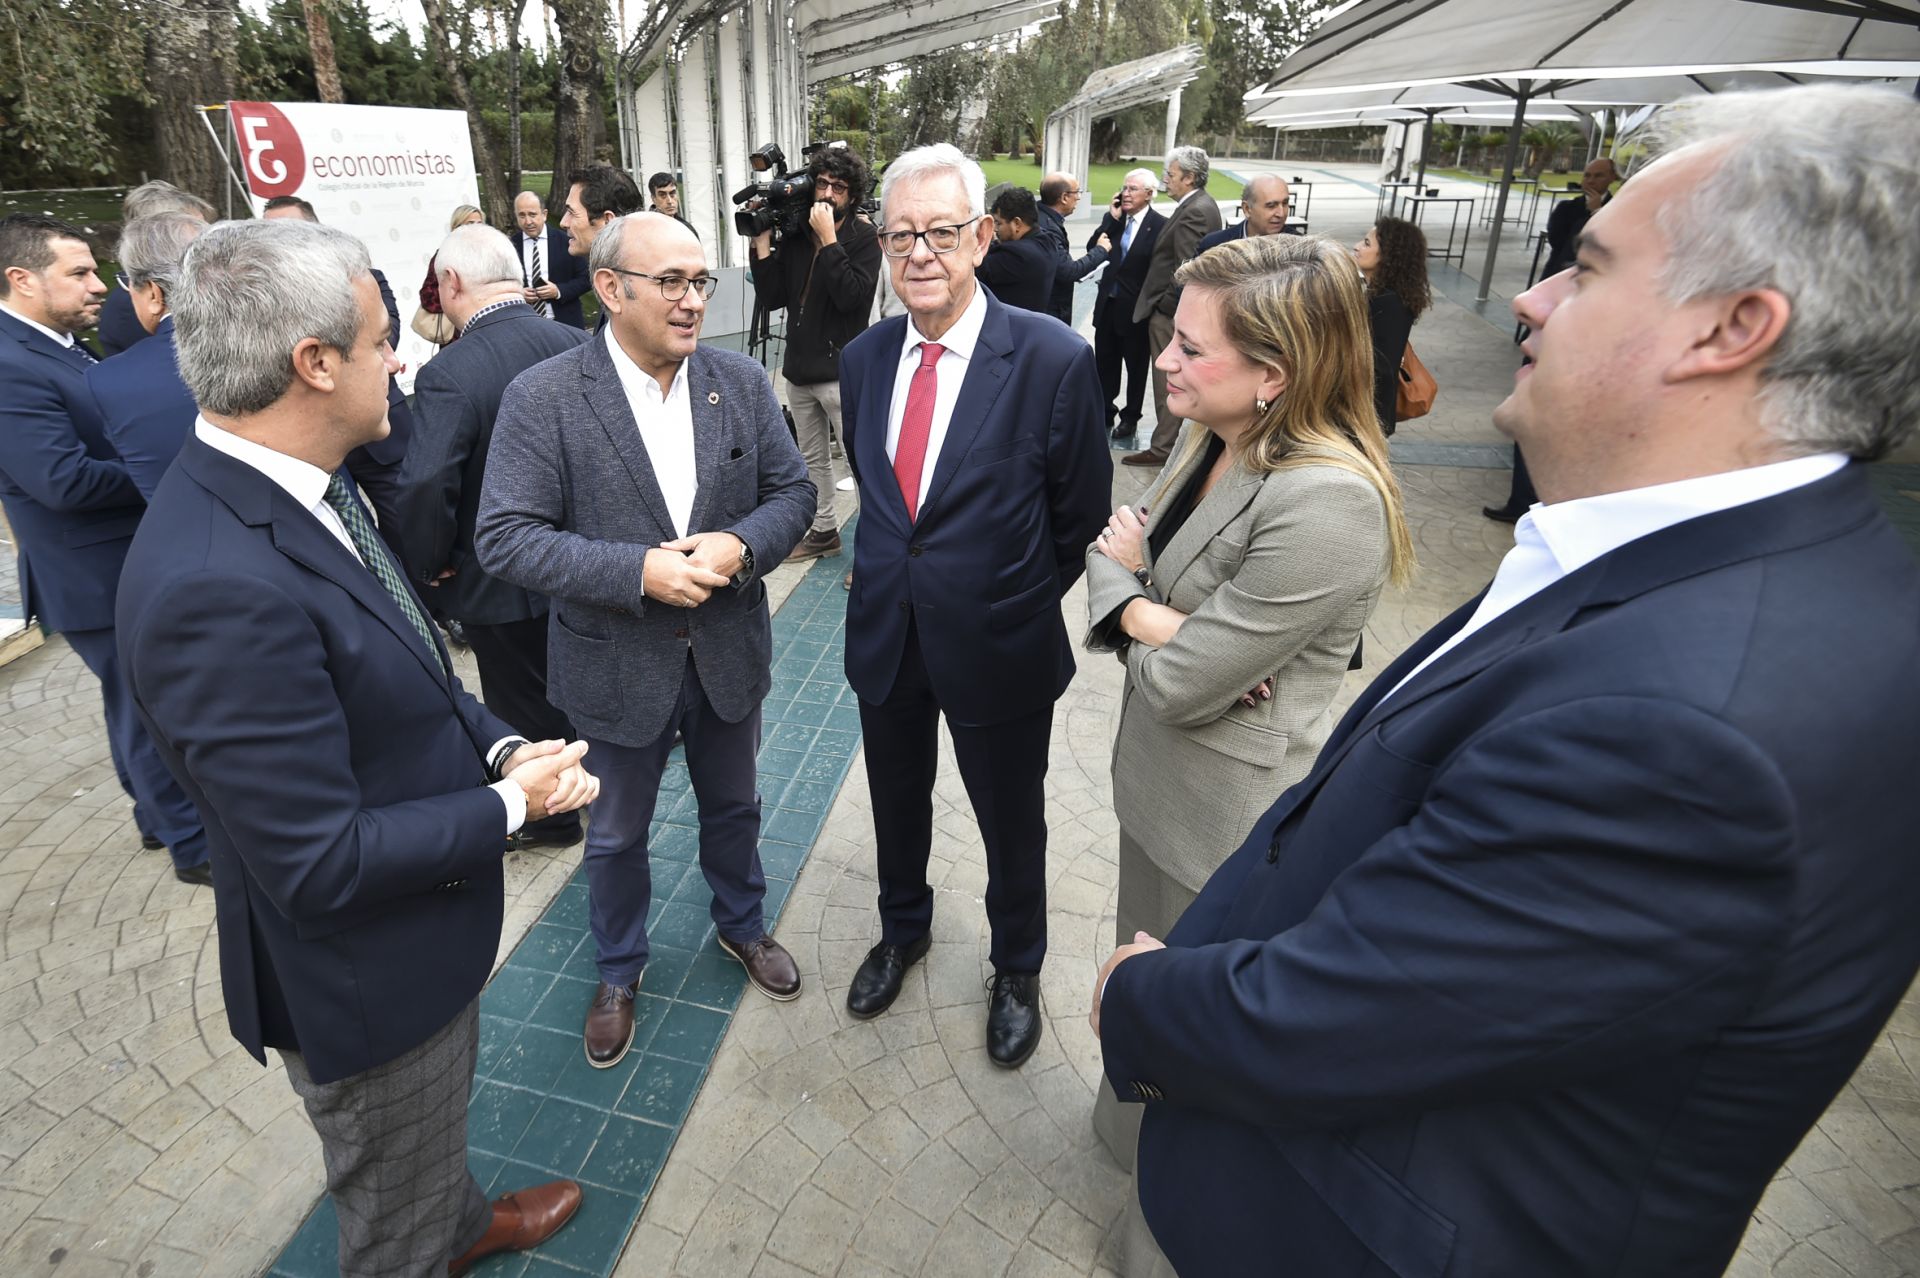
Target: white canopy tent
(1520, 52)
(1157, 77)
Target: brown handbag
(1416, 392)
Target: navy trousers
(722, 762)
(1004, 767)
(161, 808)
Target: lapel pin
(713, 397)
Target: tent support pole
(1506, 182)
(1426, 135)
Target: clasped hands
(685, 572)
(550, 775)
(1141, 944)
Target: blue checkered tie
(374, 554)
(80, 355)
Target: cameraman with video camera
(823, 270)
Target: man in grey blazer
(643, 482)
(1194, 217)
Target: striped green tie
(374, 554)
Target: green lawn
(1103, 180)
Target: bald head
(656, 319)
(1266, 201)
(1061, 193)
(1598, 178)
(529, 214)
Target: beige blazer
(1277, 574)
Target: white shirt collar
(958, 340)
(1183, 199)
(62, 339)
(1580, 531)
(306, 483)
(633, 377)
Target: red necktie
(910, 453)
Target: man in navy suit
(119, 329)
(554, 280)
(1132, 226)
(974, 431)
(147, 409)
(358, 799)
(1265, 204)
(72, 506)
(1059, 197)
(1599, 894)
(456, 398)
(1019, 267)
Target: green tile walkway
(539, 1111)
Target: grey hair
(249, 292)
(151, 247)
(480, 254)
(1190, 160)
(1147, 177)
(1248, 191)
(1811, 193)
(923, 162)
(157, 196)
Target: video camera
(769, 204)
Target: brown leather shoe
(1147, 458)
(816, 545)
(525, 1218)
(769, 966)
(610, 1024)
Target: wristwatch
(745, 574)
(1141, 575)
(501, 753)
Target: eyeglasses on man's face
(673, 287)
(940, 239)
(831, 184)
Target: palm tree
(1544, 142)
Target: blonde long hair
(1297, 303)
(461, 212)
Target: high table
(1418, 206)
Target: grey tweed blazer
(570, 507)
(1278, 574)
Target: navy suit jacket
(564, 271)
(68, 497)
(340, 772)
(1020, 272)
(1119, 286)
(147, 408)
(1067, 270)
(1559, 950)
(1021, 486)
(384, 454)
(119, 328)
(456, 398)
(1235, 231)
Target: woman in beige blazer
(1236, 594)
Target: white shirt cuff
(516, 800)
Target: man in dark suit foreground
(71, 504)
(647, 483)
(456, 398)
(553, 280)
(298, 692)
(1599, 894)
(1132, 226)
(974, 430)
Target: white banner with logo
(390, 175)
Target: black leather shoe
(1501, 515)
(200, 875)
(1123, 430)
(877, 983)
(1013, 1018)
(534, 836)
(150, 843)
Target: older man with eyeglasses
(644, 484)
(973, 428)
(1132, 226)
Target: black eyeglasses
(832, 184)
(672, 287)
(940, 239)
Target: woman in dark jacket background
(1393, 258)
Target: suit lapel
(709, 412)
(607, 398)
(979, 390)
(1215, 511)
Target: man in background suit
(645, 483)
(1265, 204)
(1059, 197)
(119, 329)
(1018, 268)
(374, 466)
(974, 430)
(71, 504)
(456, 398)
(1132, 227)
(296, 689)
(1195, 215)
(146, 408)
(1611, 873)
(554, 280)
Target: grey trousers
(1150, 901)
(1166, 425)
(816, 415)
(395, 1143)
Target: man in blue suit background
(974, 429)
(1598, 896)
(71, 504)
(554, 280)
(147, 409)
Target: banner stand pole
(226, 156)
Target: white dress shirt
(958, 343)
(666, 428)
(307, 485)
(1552, 541)
(60, 339)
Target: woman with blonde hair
(429, 321)
(1237, 592)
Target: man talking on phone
(1132, 227)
